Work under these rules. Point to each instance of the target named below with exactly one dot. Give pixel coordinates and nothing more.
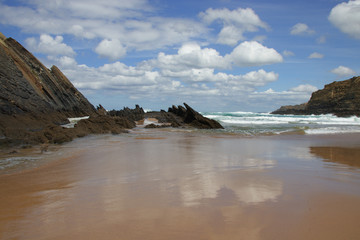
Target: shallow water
(161, 184)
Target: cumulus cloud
(112, 49)
(253, 54)
(301, 29)
(346, 17)
(316, 55)
(142, 81)
(191, 55)
(235, 23)
(342, 71)
(126, 21)
(49, 45)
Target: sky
(215, 55)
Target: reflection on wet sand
(175, 186)
(340, 155)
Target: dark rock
(101, 110)
(184, 117)
(291, 109)
(197, 120)
(35, 101)
(338, 98)
(136, 114)
(104, 125)
(152, 125)
(28, 86)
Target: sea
(250, 123)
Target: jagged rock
(35, 101)
(184, 117)
(136, 114)
(28, 86)
(101, 110)
(338, 98)
(197, 120)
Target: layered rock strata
(35, 101)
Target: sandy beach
(167, 184)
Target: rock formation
(136, 114)
(338, 98)
(184, 117)
(36, 101)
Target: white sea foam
(333, 130)
(73, 121)
(259, 123)
(15, 161)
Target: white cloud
(112, 49)
(253, 54)
(296, 95)
(191, 55)
(301, 29)
(126, 21)
(346, 17)
(304, 88)
(235, 23)
(316, 55)
(144, 82)
(342, 71)
(49, 46)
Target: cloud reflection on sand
(245, 187)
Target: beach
(187, 184)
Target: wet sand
(155, 184)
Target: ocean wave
(266, 123)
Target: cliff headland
(339, 98)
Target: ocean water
(249, 123)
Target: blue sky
(222, 55)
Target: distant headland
(339, 98)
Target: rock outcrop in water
(339, 98)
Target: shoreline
(182, 184)
(41, 153)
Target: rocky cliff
(35, 101)
(28, 86)
(339, 98)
